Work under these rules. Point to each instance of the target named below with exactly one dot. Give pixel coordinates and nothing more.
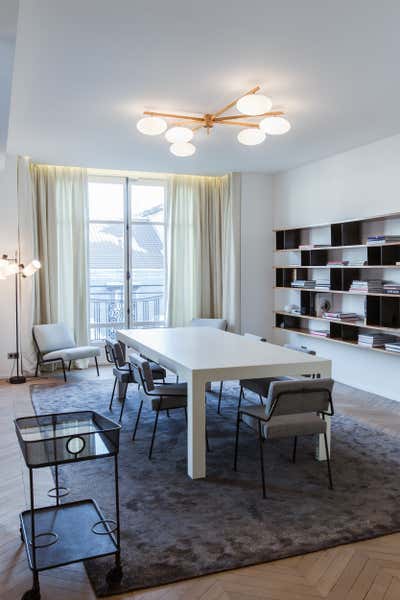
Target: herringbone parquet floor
(364, 571)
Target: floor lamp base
(17, 379)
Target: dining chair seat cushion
(73, 353)
(171, 389)
(168, 402)
(261, 386)
(284, 425)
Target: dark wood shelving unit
(382, 310)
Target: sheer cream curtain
(203, 249)
(62, 216)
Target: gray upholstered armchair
(55, 343)
(293, 408)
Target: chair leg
(137, 420)
(177, 379)
(261, 400)
(207, 443)
(236, 442)
(69, 365)
(97, 366)
(112, 395)
(154, 434)
(260, 439)
(328, 462)
(63, 368)
(294, 449)
(185, 409)
(123, 404)
(220, 397)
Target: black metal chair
(294, 408)
(122, 371)
(163, 397)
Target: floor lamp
(9, 267)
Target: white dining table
(200, 355)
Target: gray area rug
(174, 528)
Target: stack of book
(366, 285)
(320, 332)
(382, 239)
(342, 316)
(304, 283)
(376, 340)
(322, 285)
(391, 288)
(393, 347)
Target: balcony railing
(107, 309)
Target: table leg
(196, 428)
(320, 453)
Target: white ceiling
(84, 71)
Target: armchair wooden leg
(328, 462)
(154, 434)
(97, 366)
(294, 449)
(137, 420)
(220, 397)
(260, 439)
(112, 395)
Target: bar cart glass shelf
(67, 532)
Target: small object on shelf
(337, 263)
(66, 533)
(292, 308)
(382, 239)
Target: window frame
(127, 222)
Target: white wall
(356, 184)
(256, 254)
(8, 245)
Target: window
(126, 254)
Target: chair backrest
(299, 396)
(215, 323)
(255, 337)
(301, 349)
(53, 336)
(142, 371)
(114, 353)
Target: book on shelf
(376, 340)
(342, 316)
(319, 332)
(393, 346)
(382, 239)
(366, 285)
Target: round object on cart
(75, 444)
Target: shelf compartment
(72, 522)
(287, 239)
(344, 234)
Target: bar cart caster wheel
(31, 595)
(114, 575)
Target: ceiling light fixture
(152, 125)
(182, 149)
(251, 106)
(179, 134)
(251, 137)
(275, 125)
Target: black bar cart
(67, 532)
